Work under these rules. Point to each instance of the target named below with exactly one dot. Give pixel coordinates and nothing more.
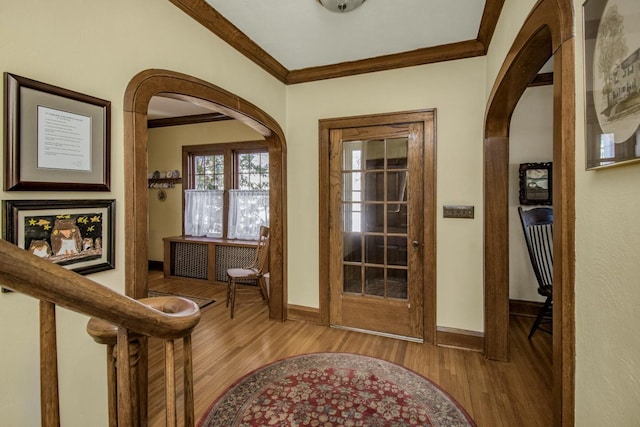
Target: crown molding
(207, 16)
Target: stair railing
(56, 286)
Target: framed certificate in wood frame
(55, 139)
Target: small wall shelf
(164, 182)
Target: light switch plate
(457, 211)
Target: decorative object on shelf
(536, 183)
(341, 5)
(76, 234)
(612, 82)
(56, 139)
(164, 182)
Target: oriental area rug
(334, 389)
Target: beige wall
(530, 141)
(457, 90)
(513, 15)
(607, 386)
(96, 48)
(607, 283)
(165, 153)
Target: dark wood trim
(428, 55)
(459, 338)
(542, 79)
(496, 270)
(142, 87)
(304, 314)
(156, 265)
(427, 117)
(548, 30)
(211, 19)
(524, 308)
(206, 15)
(564, 328)
(490, 16)
(187, 120)
(137, 95)
(228, 149)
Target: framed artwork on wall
(76, 234)
(536, 183)
(612, 82)
(55, 139)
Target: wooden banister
(105, 333)
(39, 278)
(126, 320)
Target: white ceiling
(301, 33)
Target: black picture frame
(55, 139)
(536, 183)
(76, 234)
(611, 90)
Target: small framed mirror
(535, 183)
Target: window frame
(230, 151)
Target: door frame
(139, 92)
(428, 118)
(547, 31)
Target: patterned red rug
(335, 389)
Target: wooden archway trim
(139, 92)
(547, 31)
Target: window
(253, 170)
(215, 169)
(209, 172)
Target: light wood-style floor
(515, 393)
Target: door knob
(416, 244)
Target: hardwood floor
(515, 393)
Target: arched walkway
(547, 31)
(142, 87)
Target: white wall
(457, 90)
(96, 48)
(165, 153)
(607, 282)
(530, 141)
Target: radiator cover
(191, 259)
(232, 257)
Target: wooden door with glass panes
(376, 227)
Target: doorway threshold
(381, 334)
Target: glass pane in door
(374, 207)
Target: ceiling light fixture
(341, 5)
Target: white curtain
(248, 210)
(203, 213)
